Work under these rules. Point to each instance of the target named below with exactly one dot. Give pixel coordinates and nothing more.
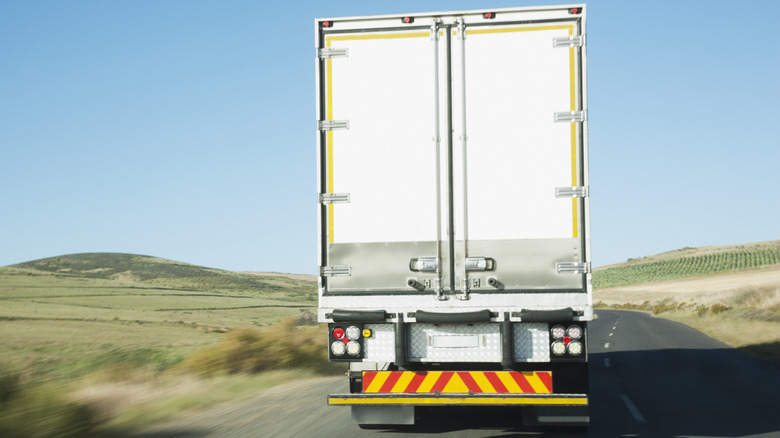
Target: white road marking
(633, 409)
(606, 345)
(611, 334)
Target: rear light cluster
(346, 341)
(567, 342)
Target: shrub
(664, 306)
(718, 308)
(251, 350)
(43, 412)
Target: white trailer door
(378, 84)
(517, 112)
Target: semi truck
(454, 247)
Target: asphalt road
(649, 378)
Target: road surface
(649, 378)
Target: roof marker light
(408, 20)
(489, 15)
(327, 24)
(575, 10)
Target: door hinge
(332, 125)
(330, 53)
(334, 198)
(335, 271)
(570, 116)
(572, 268)
(572, 192)
(569, 41)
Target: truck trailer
(454, 248)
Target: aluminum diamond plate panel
(454, 343)
(532, 342)
(380, 346)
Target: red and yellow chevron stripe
(458, 382)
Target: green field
(688, 262)
(67, 316)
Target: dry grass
(719, 288)
(740, 308)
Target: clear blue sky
(185, 129)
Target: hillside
(67, 316)
(732, 293)
(131, 268)
(688, 262)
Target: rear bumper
(390, 399)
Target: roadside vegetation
(96, 344)
(105, 344)
(731, 293)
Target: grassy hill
(130, 268)
(688, 262)
(66, 316)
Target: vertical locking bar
(437, 143)
(461, 23)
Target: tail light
(574, 348)
(574, 332)
(353, 348)
(337, 348)
(346, 341)
(567, 343)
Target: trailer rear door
(452, 154)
